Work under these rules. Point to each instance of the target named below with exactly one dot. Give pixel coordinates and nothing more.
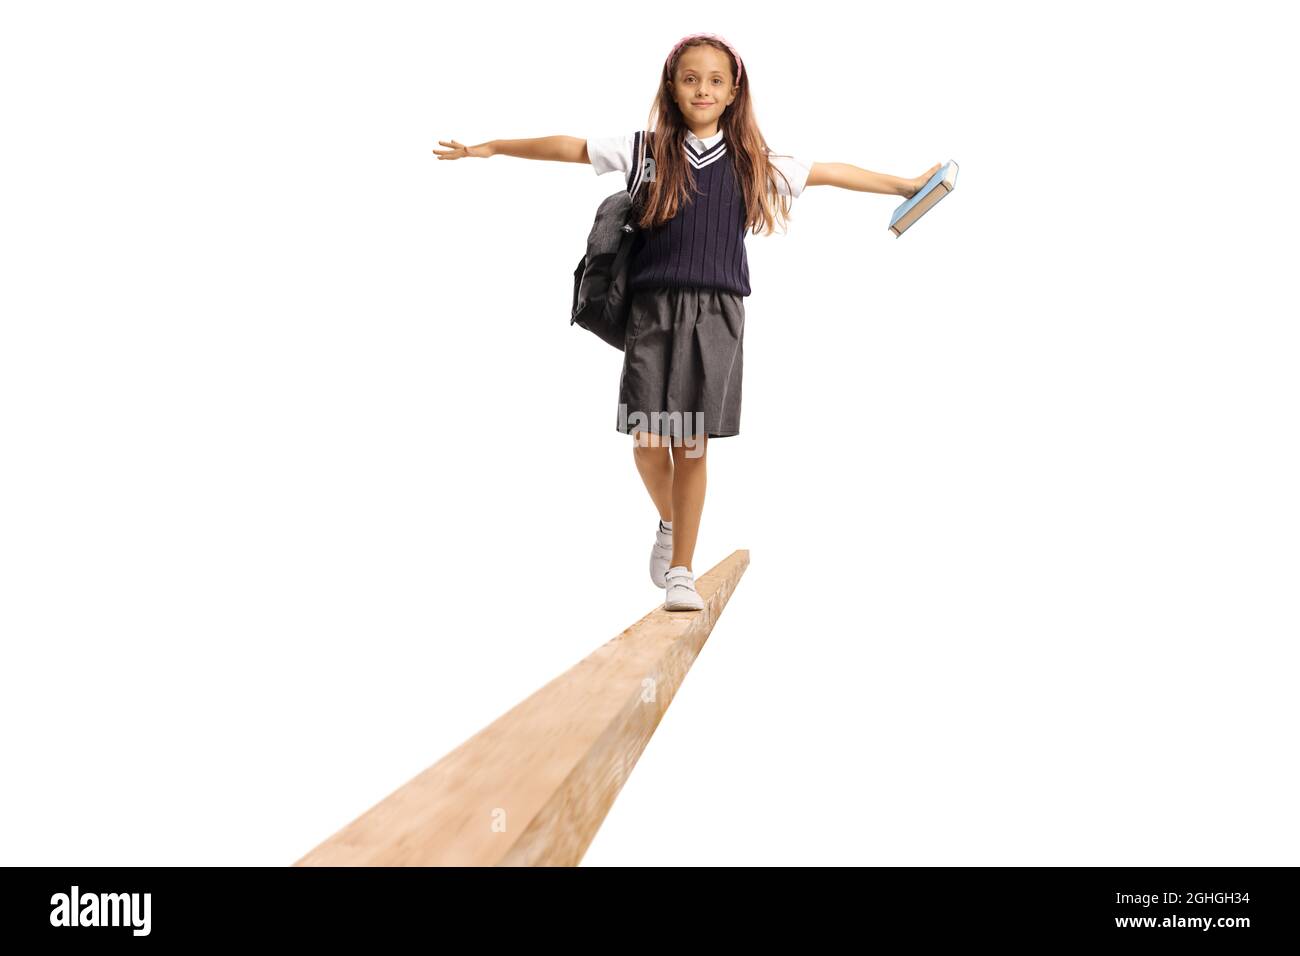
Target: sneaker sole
(679, 606)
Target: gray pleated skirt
(682, 362)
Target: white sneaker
(660, 555)
(682, 595)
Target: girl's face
(702, 86)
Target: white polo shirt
(610, 153)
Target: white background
(305, 478)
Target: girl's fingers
(456, 147)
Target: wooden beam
(533, 787)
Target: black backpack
(601, 298)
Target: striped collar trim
(696, 156)
(700, 157)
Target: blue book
(940, 184)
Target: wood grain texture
(533, 787)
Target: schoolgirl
(710, 180)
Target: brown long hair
(673, 175)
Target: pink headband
(740, 66)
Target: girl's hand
(460, 150)
(914, 185)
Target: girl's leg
(688, 497)
(655, 464)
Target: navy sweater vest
(704, 244)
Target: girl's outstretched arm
(865, 181)
(562, 149)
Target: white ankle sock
(665, 526)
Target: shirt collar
(700, 145)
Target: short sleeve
(796, 171)
(610, 153)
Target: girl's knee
(691, 450)
(652, 457)
(649, 445)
